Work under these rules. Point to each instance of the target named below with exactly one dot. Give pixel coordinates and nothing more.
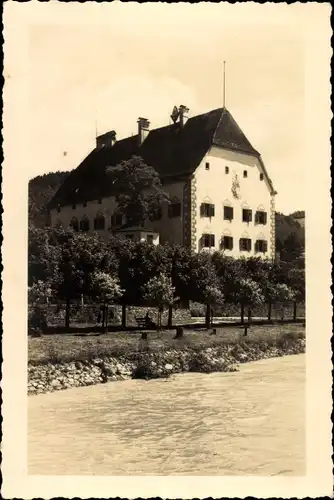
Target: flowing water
(250, 422)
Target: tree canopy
(138, 190)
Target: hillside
(40, 191)
(290, 236)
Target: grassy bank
(67, 348)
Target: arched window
(74, 224)
(84, 223)
(116, 219)
(99, 222)
(174, 209)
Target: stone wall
(51, 377)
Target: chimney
(183, 113)
(143, 129)
(106, 140)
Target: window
(245, 244)
(74, 224)
(207, 166)
(84, 204)
(174, 210)
(129, 236)
(261, 177)
(84, 224)
(100, 201)
(116, 219)
(245, 173)
(149, 239)
(260, 217)
(227, 169)
(99, 222)
(246, 215)
(228, 213)
(207, 210)
(156, 214)
(261, 246)
(74, 206)
(208, 240)
(227, 243)
(58, 209)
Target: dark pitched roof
(172, 151)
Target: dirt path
(245, 423)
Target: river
(250, 422)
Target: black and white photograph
(171, 217)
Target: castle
(222, 197)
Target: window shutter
(212, 240)
(257, 217)
(231, 213)
(257, 246)
(212, 210)
(249, 216)
(265, 246)
(265, 218)
(202, 209)
(240, 244)
(231, 242)
(249, 245)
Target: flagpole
(224, 84)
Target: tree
(37, 294)
(204, 286)
(277, 292)
(160, 292)
(296, 278)
(138, 190)
(41, 189)
(247, 292)
(180, 263)
(137, 264)
(106, 288)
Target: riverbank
(112, 360)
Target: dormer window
(261, 177)
(84, 204)
(245, 173)
(227, 170)
(100, 201)
(74, 206)
(58, 209)
(207, 166)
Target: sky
(102, 74)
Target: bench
(144, 322)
